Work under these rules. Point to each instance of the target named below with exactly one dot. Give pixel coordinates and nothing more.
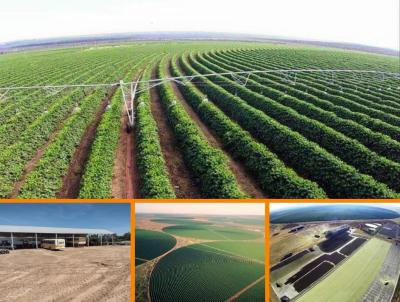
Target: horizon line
(249, 35)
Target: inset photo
(336, 252)
(200, 252)
(65, 252)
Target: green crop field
(253, 250)
(181, 221)
(253, 294)
(280, 134)
(151, 244)
(351, 280)
(199, 273)
(207, 231)
(331, 212)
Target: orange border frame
(266, 227)
(133, 202)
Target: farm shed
(343, 229)
(296, 229)
(371, 228)
(31, 236)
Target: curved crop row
(45, 180)
(14, 158)
(348, 150)
(12, 127)
(208, 164)
(352, 105)
(334, 176)
(97, 179)
(360, 118)
(377, 142)
(343, 88)
(274, 178)
(199, 274)
(153, 174)
(151, 244)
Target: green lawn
(351, 280)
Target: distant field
(210, 232)
(334, 212)
(181, 221)
(351, 280)
(201, 274)
(151, 244)
(246, 221)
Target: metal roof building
(13, 231)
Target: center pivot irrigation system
(130, 89)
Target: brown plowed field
(89, 274)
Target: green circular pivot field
(151, 244)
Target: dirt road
(82, 274)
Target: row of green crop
(307, 158)
(208, 164)
(348, 150)
(276, 180)
(377, 142)
(352, 105)
(353, 93)
(376, 83)
(153, 175)
(51, 75)
(11, 129)
(97, 180)
(372, 93)
(360, 118)
(14, 158)
(346, 88)
(45, 180)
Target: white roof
(373, 226)
(50, 230)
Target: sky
(112, 217)
(202, 208)
(282, 206)
(370, 22)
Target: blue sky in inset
(114, 217)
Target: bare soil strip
(119, 184)
(72, 180)
(125, 183)
(245, 180)
(179, 174)
(235, 296)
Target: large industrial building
(14, 237)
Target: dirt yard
(82, 274)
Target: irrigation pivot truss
(131, 89)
